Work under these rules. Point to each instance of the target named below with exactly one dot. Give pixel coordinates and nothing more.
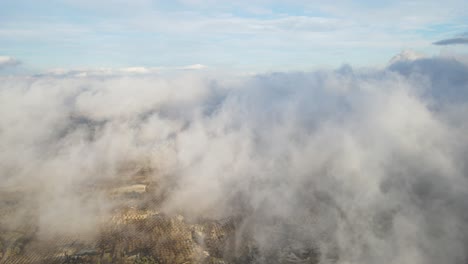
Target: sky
(257, 35)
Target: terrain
(135, 231)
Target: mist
(366, 165)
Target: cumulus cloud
(7, 61)
(366, 165)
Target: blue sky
(250, 35)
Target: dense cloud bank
(367, 163)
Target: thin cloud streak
(118, 72)
(451, 41)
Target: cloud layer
(369, 165)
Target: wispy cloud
(462, 39)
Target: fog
(367, 164)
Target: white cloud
(366, 164)
(117, 72)
(137, 70)
(7, 61)
(193, 67)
